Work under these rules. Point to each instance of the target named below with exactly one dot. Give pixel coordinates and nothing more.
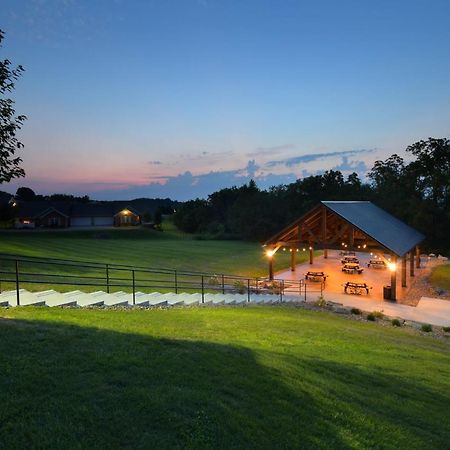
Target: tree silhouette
(10, 164)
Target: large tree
(432, 170)
(10, 123)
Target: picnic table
(356, 288)
(349, 259)
(377, 264)
(315, 276)
(352, 268)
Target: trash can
(387, 292)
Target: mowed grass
(141, 247)
(213, 378)
(440, 277)
(144, 247)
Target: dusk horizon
(180, 99)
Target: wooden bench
(356, 288)
(377, 264)
(315, 276)
(349, 259)
(352, 268)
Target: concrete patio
(428, 310)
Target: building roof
(381, 226)
(37, 207)
(367, 219)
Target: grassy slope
(218, 378)
(170, 249)
(440, 277)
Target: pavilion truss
(353, 226)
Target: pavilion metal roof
(381, 226)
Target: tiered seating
(52, 298)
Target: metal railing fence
(17, 271)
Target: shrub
(321, 302)
(355, 311)
(371, 317)
(240, 286)
(396, 323)
(426, 327)
(214, 280)
(446, 329)
(378, 314)
(273, 287)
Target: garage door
(80, 222)
(104, 221)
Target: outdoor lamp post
(392, 266)
(269, 254)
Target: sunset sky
(165, 98)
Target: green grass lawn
(145, 247)
(136, 247)
(440, 277)
(251, 378)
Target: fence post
(305, 290)
(203, 289)
(248, 290)
(176, 282)
(107, 278)
(281, 290)
(223, 284)
(134, 288)
(17, 283)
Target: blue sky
(179, 98)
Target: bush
(371, 317)
(273, 287)
(396, 323)
(321, 302)
(378, 314)
(240, 286)
(214, 280)
(355, 311)
(426, 327)
(446, 329)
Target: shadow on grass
(65, 386)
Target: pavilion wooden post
(411, 263)
(404, 271)
(311, 254)
(417, 257)
(293, 258)
(394, 280)
(324, 232)
(271, 267)
(352, 238)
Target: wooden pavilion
(354, 226)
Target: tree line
(417, 192)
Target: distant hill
(143, 205)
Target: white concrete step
(84, 299)
(215, 299)
(229, 299)
(293, 298)
(26, 298)
(240, 299)
(53, 298)
(174, 299)
(108, 299)
(191, 299)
